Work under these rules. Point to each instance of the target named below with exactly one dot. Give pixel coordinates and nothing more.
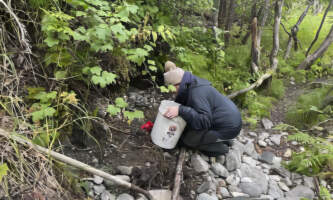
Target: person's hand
(172, 112)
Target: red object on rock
(147, 126)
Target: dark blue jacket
(204, 108)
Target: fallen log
(178, 175)
(75, 163)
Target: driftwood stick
(179, 169)
(254, 85)
(75, 163)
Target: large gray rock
(238, 146)
(199, 164)
(262, 143)
(161, 194)
(300, 191)
(253, 134)
(125, 170)
(308, 181)
(106, 195)
(276, 139)
(250, 150)
(205, 196)
(283, 186)
(268, 124)
(233, 160)
(274, 190)
(224, 192)
(263, 136)
(206, 186)
(98, 180)
(233, 179)
(267, 157)
(250, 161)
(257, 176)
(251, 189)
(99, 189)
(220, 170)
(233, 188)
(125, 196)
(239, 195)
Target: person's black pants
(210, 142)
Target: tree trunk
(273, 59)
(262, 21)
(277, 20)
(253, 15)
(254, 49)
(222, 13)
(321, 24)
(229, 21)
(294, 31)
(309, 60)
(317, 7)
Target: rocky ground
(251, 170)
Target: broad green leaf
(51, 41)
(106, 47)
(3, 171)
(46, 97)
(153, 68)
(160, 28)
(109, 77)
(132, 8)
(164, 89)
(80, 13)
(151, 62)
(113, 110)
(42, 114)
(171, 88)
(60, 75)
(137, 114)
(86, 70)
(96, 70)
(315, 109)
(102, 33)
(148, 47)
(121, 103)
(96, 79)
(117, 28)
(154, 34)
(144, 72)
(79, 37)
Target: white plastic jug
(166, 132)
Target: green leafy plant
(316, 159)
(310, 108)
(120, 106)
(324, 193)
(99, 77)
(50, 112)
(168, 89)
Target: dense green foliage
(317, 157)
(311, 108)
